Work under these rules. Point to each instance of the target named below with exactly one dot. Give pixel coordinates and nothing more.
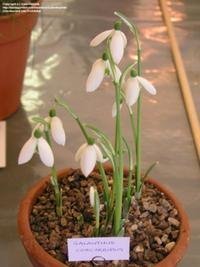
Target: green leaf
(149, 170)
(96, 211)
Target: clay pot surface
(40, 258)
(15, 33)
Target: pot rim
(36, 251)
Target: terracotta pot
(15, 32)
(40, 258)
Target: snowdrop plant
(127, 85)
(40, 143)
(98, 147)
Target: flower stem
(138, 143)
(63, 104)
(89, 139)
(54, 182)
(119, 176)
(134, 30)
(105, 182)
(133, 128)
(57, 192)
(96, 212)
(130, 176)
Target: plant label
(98, 248)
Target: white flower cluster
(38, 144)
(118, 42)
(87, 154)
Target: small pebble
(175, 234)
(158, 240)
(165, 204)
(164, 238)
(173, 221)
(134, 227)
(163, 225)
(52, 252)
(71, 178)
(169, 246)
(35, 211)
(139, 248)
(63, 221)
(153, 208)
(173, 212)
(168, 230)
(144, 214)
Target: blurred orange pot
(15, 32)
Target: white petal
(88, 160)
(79, 152)
(117, 73)
(132, 91)
(92, 190)
(117, 47)
(147, 85)
(57, 131)
(45, 152)
(114, 109)
(96, 75)
(100, 37)
(27, 150)
(99, 153)
(124, 38)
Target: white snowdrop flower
(27, 150)
(56, 127)
(45, 152)
(117, 44)
(98, 72)
(96, 75)
(114, 109)
(132, 89)
(88, 155)
(99, 38)
(57, 130)
(92, 196)
(31, 146)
